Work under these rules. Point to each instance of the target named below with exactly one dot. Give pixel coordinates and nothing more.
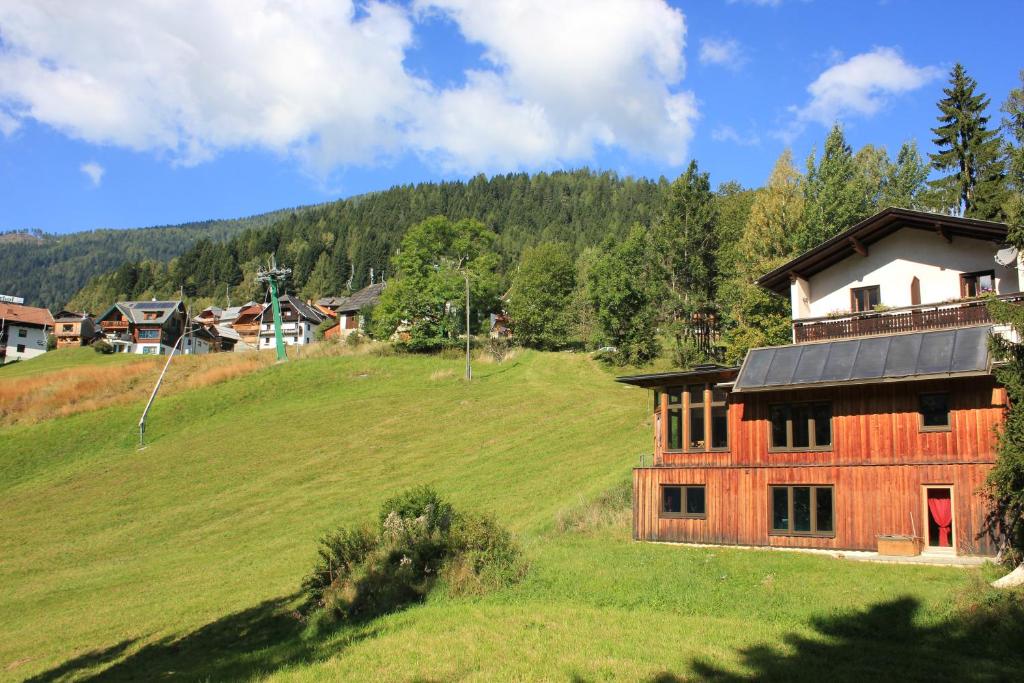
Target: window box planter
(898, 546)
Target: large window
(697, 418)
(865, 298)
(22, 332)
(802, 510)
(977, 284)
(683, 502)
(801, 426)
(149, 334)
(934, 410)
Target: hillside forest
(585, 259)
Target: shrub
(51, 342)
(354, 339)
(612, 507)
(364, 572)
(103, 346)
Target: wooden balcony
(114, 324)
(908, 319)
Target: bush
(612, 507)
(51, 342)
(354, 339)
(419, 539)
(103, 346)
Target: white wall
(294, 333)
(34, 342)
(894, 261)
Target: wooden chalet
(299, 320)
(246, 323)
(72, 328)
(874, 434)
(348, 309)
(151, 327)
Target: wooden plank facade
(879, 463)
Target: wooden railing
(910, 319)
(115, 324)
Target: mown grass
(183, 560)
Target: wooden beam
(858, 246)
(794, 276)
(942, 233)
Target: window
(977, 284)
(150, 315)
(934, 410)
(800, 426)
(67, 328)
(148, 350)
(20, 348)
(22, 332)
(865, 298)
(149, 334)
(802, 510)
(697, 418)
(683, 502)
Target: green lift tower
(275, 276)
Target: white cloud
(861, 86)
(8, 124)
(571, 75)
(725, 133)
(723, 52)
(321, 82)
(93, 171)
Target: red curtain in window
(942, 514)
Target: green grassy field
(183, 560)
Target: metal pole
(156, 388)
(469, 366)
(278, 336)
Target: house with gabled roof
(152, 327)
(874, 430)
(23, 331)
(73, 328)
(299, 320)
(348, 309)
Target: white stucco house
(298, 323)
(23, 331)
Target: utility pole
(273, 276)
(469, 365)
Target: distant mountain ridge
(47, 269)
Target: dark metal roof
(704, 373)
(898, 357)
(872, 229)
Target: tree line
(590, 260)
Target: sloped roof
(872, 229)
(898, 357)
(305, 311)
(702, 373)
(227, 332)
(134, 310)
(367, 296)
(30, 315)
(68, 316)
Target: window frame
(22, 333)
(683, 495)
(921, 426)
(814, 533)
(683, 407)
(865, 288)
(812, 430)
(964, 277)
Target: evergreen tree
(758, 317)
(321, 281)
(970, 152)
(684, 241)
(540, 297)
(834, 193)
(623, 294)
(905, 179)
(1013, 125)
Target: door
(941, 529)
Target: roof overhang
(858, 239)
(713, 374)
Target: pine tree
(905, 179)
(834, 196)
(759, 317)
(969, 151)
(1013, 124)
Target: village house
(23, 331)
(72, 328)
(873, 431)
(348, 309)
(244, 321)
(298, 322)
(152, 327)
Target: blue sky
(124, 114)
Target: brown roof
(702, 373)
(872, 229)
(25, 314)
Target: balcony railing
(908, 319)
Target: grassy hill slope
(182, 560)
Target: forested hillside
(332, 246)
(47, 269)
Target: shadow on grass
(239, 646)
(884, 643)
